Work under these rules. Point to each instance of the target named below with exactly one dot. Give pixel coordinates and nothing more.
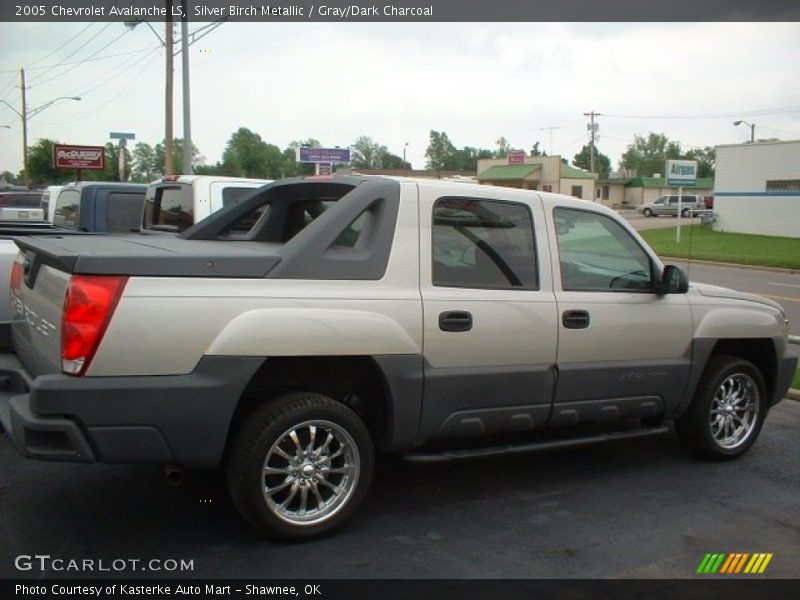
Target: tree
(391, 161)
(535, 150)
(706, 160)
(441, 153)
(146, 167)
(366, 154)
(177, 145)
(649, 155)
(583, 160)
(247, 155)
(40, 165)
(9, 178)
(503, 148)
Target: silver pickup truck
(290, 337)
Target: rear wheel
(685, 213)
(727, 412)
(300, 466)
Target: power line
(730, 115)
(73, 53)
(69, 41)
(75, 66)
(86, 60)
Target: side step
(446, 455)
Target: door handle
(575, 319)
(456, 320)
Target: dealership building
(757, 188)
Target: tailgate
(36, 308)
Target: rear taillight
(16, 277)
(88, 306)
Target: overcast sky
(396, 82)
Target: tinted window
(21, 199)
(783, 185)
(483, 244)
(597, 254)
(234, 195)
(125, 211)
(68, 209)
(170, 205)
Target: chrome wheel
(310, 472)
(734, 411)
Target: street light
(26, 114)
(404, 155)
(752, 129)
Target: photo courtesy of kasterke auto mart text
(291, 336)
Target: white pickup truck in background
(176, 202)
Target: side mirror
(673, 281)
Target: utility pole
(169, 150)
(593, 129)
(187, 120)
(24, 116)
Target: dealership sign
(516, 157)
(323, 155)
(681, 173)
(79, 157)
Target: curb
(732, 265)
(793, 394)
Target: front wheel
(647, 213)
(727, 412)
(300, 466)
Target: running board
(446, 455)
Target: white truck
(176, 202)
(291, 336)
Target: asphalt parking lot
(636, 508)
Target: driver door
(623, 350)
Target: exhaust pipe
(173, 474)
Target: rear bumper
(183, 419)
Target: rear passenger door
(489, 313)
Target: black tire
(254, 448)
(647, 213)
(685, 213)
(694, 427)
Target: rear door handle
(456, 320)
(575, 319)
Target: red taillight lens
(16, 277)
(88, 306)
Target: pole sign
(79, 157)
(323, 155)
(681, 173)
(516, 157)
(122, 137)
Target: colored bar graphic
(702, 567)
(765, 563)
(717, 564)
(728, 563)
(741, 563)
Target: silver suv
(691, 205)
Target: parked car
(75, 209)
(176, 202)
(668, 205)
(21, 199)
(363, 314)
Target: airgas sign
(681, 173)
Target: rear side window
(22, 200)
(170, 205)
(68, 209)
(124, 211)
(485, 244)
(234, 195)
